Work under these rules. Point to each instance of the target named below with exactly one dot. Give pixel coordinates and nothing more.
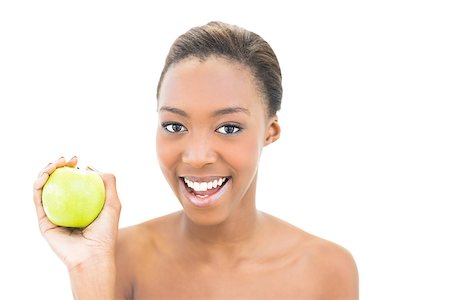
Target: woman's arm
(94, 279)
(88, 253)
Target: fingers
(42, 179)
(72, 162)
(51, 167)
(40, 182)
(44, 223)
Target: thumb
(112, 202)
(112, 199)
(108, 219)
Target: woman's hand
(88, 246)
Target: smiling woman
(218, 97)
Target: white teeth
(204, 186)
(196, 186)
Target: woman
(218, 98)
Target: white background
(364, 155)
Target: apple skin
(72, 197)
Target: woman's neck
(228, 241)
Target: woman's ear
(273, 131)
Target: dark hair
(234, 43)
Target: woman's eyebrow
(174, 110)
(219, 112)
(230, 110)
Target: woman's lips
(204, 192)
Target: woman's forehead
(214, 79)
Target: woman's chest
(179, 282)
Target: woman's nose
(199, 152)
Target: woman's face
(213, 126)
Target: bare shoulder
(136, 247)
(145, 234)
(328, 268)
(335, 270)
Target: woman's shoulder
(138, 247)
(329, 266)
(146, 233)
(141, 243)
(305, 241)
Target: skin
(225, 250)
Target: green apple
(72, 197)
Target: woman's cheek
(245, 156)
(165, 152)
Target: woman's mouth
(202, 192)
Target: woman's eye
(174, 127)
(228, 129)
